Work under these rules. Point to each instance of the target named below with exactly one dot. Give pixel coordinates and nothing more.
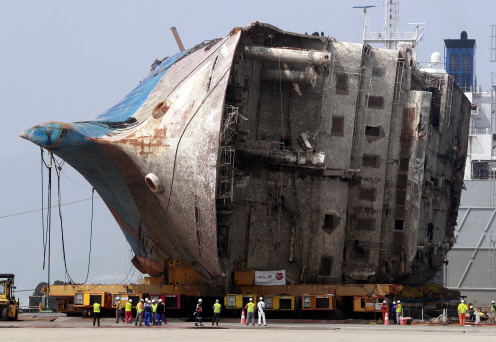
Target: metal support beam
(178, 40)
(318, 58)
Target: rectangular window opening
(373, 131)
(371, 160)
(398, 224)
(367, 194)
(328, 222)
(376, 102)
(341, 84)
(325, 266)
(337, 128)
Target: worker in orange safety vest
(384, 310)
(462, 310)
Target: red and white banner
(268, 278)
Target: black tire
(5, 313)
(17, 314)
(84, 313)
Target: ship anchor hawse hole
(153, 182)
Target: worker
(96, 313)
(217, 310)
(398, 311)
(261, 312)
(198, 313)
(474, 314)
(148, 313)
(129, 312)
(250, 309)
(492, 312)
(393, 312)
(471, 312)
(462, 310)
(118, 310)
(154, 311)
(160, 312)
(139, 313)
(384, 309)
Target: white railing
(480, 131)
(390, 36)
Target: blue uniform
(148, 313)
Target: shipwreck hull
(272, 150)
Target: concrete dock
(57, 328)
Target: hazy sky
(71, 60)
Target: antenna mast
(390, 37)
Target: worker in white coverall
(261, 312)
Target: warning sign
(268, 278)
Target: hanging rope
(91, 235)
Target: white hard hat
(141, 299)
(394, 302)
(118, 298)
(471, 306)
(130, 301)
(462, 301)
(216, 300)
(261, 298)
(493, 301)
(153, 300)
(160, 300)
(199, 300)
(251, 299)
(383, 302)
(398, 301)
(146, 300)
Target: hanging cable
(58, 168)
(91, 235)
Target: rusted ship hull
(273, 150)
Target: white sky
(71, 60)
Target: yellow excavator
(9, 307)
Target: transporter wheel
(5, 313)
(84, 313)
(17, 314)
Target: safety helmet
(251, 299)
(146, 300)
(398, 301)
(153, 300)
(261, 298)
(394, 302)
(216, 300)
(200, 300)
(383, 302)
(462, 301)
(141, 299)
(493, 301)
(118, 298)
(130, 301)
(471, 307)
(160, 300)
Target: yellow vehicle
(8, 305)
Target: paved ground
(54, 329)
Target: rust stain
(234, 31)
(178, 129)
